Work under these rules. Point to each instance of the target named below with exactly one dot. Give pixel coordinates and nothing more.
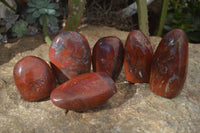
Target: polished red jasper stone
(108, 56)
(70, 55)
(138, 57)
(84, 92)
(34, 78)
(169, 66)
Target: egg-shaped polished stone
(169, 66)
(84, 92)
(138, 57)
(34, 78)
(69, 55)
(108, 56)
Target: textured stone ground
(133, 109)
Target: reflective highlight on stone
(138, 57)
(84, 92)
(33, 78)
(169, 66)
(108, 56)
(69, 55)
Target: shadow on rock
(9, 50)
(125, 92)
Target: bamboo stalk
(143, 16)
(76, 8)
(45, 32)
(162, 17)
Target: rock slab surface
(134, 108)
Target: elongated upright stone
(169, 66)
(108, 56)
(138, 57)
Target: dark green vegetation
(184, 14)
(51, 16)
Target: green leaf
(38, 8)
(43, 3)
(31, 4)
(51, 19)
(42, 11)
(30, 10)
(30, 19)
(20, 28)
(36, 14)
(51, 11)
(53, 6)
(57, 14)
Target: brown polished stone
(33, 78)
(70, 55)
(108, 56)
(138, 57)
(84, 92)
(169, 66)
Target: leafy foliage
(19, 29)
(184, 14)
(38, 8)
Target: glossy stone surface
(33, 78)
(108, 56)
(70, 55)
(138, 57)
(134, 108)
(169, 66)
(84, 92)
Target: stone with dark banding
(69, 55)
(138, 57)
(34, 78)
(84, 92)
(108, 56)
(169, 66)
